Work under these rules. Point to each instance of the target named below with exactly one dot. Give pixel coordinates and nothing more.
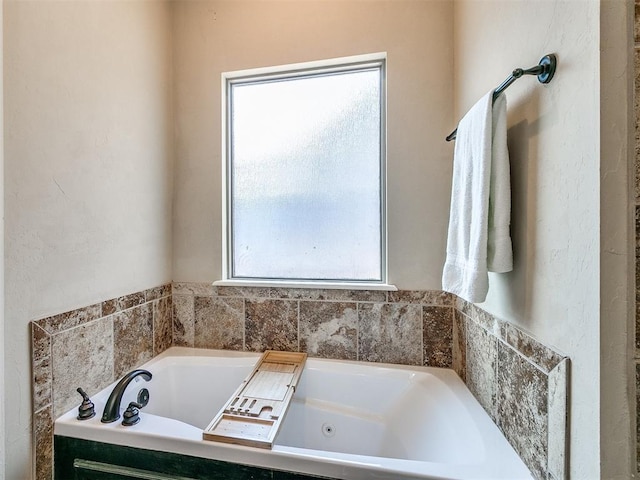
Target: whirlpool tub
(348, 420)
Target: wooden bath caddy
(253, 414)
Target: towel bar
(544, 70)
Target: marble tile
(64, 321)
(157, 292)
(637, 223)
(459, 346)
(637, 319)
(43, 443)
(390, 332)
(636, 96)
(557, 401)
(463, 306)
(81, 357)
(522, 409)
(481, 357)
(437, 331)
(636, 32)
(132, 338)
(637, 416)
(271, 325)
(40, 343)
(245, 292)
(379, 296)
(188, 288)
(162, 324)
(122, 303)
(183, 320)
(329, 329)
(42, 376)
(637, 268)
(530, 348)
(424, 297)
(487, 321)
(309, 294)
(219, 322)
(329, 294)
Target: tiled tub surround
(521, 383)
(636, 104)
(91, 347)
(406, 327)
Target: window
(305, 172)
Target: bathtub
(348, 420)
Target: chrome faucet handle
(86, 410)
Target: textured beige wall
(88, 148)
(213, 37)
(617, 242)
(571, 256)
(3, 436)
(88, 170)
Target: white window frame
(344, 64)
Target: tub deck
(347, 420)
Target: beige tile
(41, 367)
(183, 320)
(481, 356)
(43, 441)
(437, 331)
(424, 297)
(636, 35)
(122, 303)
(81, 357)
(459, 347)
(638, 416)
(636, 97)
(271, 325)
(390, 332)
(530, 348)
(358, 295)
(637, 272)
(245, 292)
(162, 324)
(133, 338)
(64, 321)
(522, 409)
(557, 399)
(157, 292)
(219, 323)
(463, 306)
(187, 288)
(308, 294)
(329, 329)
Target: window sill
(302, 284)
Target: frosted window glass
(305, 177)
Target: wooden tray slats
(254, 413)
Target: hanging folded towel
(478, 238)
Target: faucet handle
(131, 414)
(86, 410)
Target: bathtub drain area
(328, 430)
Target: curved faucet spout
(112, 407)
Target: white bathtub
(348, 420)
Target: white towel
(478, 238)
